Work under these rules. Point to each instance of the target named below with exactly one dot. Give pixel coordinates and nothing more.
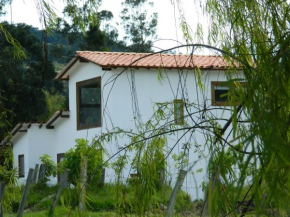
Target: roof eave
(23, 127)
(61, 75)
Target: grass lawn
(61, 211)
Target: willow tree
(257, 35)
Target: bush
(69, 198)
(8, 174)
(40, 196)
(73, 159)
(50, 166)
(183, 202)
(12, 198)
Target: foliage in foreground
(74, 158)
(254, 34)
(99, 200)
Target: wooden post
(65, 184)
(41, 175)
(177, 187)
(83, 181)
(25, 193)
(34, 177)
(102, 182)
(2, 189)
(62, 183)
(213, 181)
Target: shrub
(8, 174)
(73, 159)
(50, 166)
(12, 197)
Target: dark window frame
(178, 120)
(78, 86)
(213, 96)
(20, 166)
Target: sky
(24, 11)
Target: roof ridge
(134, 53)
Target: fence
(32, 179)
(38, 175)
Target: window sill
(86, 127)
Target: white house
(109, 90)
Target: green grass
(62, 211)
(99, 201)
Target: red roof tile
(146, 60)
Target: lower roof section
(24, 127)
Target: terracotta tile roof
(146, 60)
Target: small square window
(178, 111)
(220, 93)
(89, 103)
(21, 167)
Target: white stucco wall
(119, 113)
(20, 147)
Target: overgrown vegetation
(256, 35)
(50, 167)
(98, 199)
(8, 174)
(74, 157)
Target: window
(178, 111)
(89, 103)
(220, 93)
(60, 158)
(21, 165)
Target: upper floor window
(220, 93)
(179, 111)
(89, 103)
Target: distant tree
(57, 51)
(49, 19)
(55, 102)
(22, 81)
(17, 48)
(112, 42)
(94, 40)
(140, 28)
(99, 36)
(2, 5)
